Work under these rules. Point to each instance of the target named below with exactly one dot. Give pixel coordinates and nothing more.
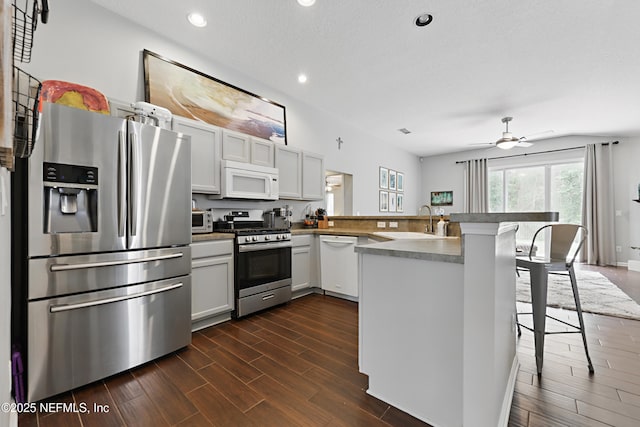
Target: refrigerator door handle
(133, 184)
(122, 179)
(68, 307)
(67, 267)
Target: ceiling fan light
(506, 144)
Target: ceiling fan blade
(524, 144)
(537, 135)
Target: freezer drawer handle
(66, 267)
(68, 307)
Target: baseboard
(633, 265)
(503, 421)
(622, 264)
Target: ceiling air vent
(404, 130)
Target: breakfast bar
(437, 321)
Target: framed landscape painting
(192, 94)
(441, 198)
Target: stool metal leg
(576, 297)
(539, 308)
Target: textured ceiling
(570, 66)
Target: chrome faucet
(430, 227)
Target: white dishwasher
(339, 264)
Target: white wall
(5, 295)
(442, 173)
(108, 57)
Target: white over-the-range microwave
(248, 181)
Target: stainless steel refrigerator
(102, 263)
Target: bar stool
(560, 261)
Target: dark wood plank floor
(297, 365)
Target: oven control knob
(255, 238)
(279, 237)
(267, 237)
(247, 239)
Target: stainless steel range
(262, 265)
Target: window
(536, 187)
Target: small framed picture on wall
(392, 180)
(392, 202)
(400, 182)
(384, 201)
(383, 177)
(400, 203)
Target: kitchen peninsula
(437, 321)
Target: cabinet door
(289, 164)
(300, 267)
(262, 152)
(313, 181)
(205, 154)
(212, 286)
(235, 146)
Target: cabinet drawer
(209, 249)
(304, 240)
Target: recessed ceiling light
(197, 20)
(302, 78)
(306, 3)
(423, 20)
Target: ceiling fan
(509, 141)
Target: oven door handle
(263, 246)
(68, 307)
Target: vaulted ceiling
(570, 66)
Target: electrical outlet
(393, 224)
(382, 224)
(330, 223)
(618, 249)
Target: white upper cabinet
(262, 152)
(205, 154)
(312, 176)
(236, 146)
(301, 174)
(289, 165)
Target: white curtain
(476, 178)
(597, 205)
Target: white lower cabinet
(339, 265)
(212, 282)
(301, 262)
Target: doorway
(339, 193)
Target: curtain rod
(539, 152)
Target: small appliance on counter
(201, 221)
(278, 217)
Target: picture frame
(384, 201)
(392, 201)
(383, 178)
(392, 180)
(400, 202)
(400, 182)
(195, 95)
(441, 198)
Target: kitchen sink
(413, 235)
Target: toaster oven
(201, 221)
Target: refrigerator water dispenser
(70, 198)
